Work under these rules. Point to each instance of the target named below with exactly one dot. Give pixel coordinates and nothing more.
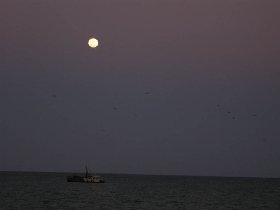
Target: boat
(85, 179)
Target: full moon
(93, 43)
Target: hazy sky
(175, 87)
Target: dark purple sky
(176, 87)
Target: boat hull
(89, 179)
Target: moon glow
(93, 43)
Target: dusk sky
(185, 87)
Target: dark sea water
(20, 190)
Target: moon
(93, 43)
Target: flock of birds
(232, 116)
(220, 108)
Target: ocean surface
(26, 190)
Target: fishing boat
(86, 179)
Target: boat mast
(86, 172)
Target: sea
(28, 190)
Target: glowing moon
(93, 43)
